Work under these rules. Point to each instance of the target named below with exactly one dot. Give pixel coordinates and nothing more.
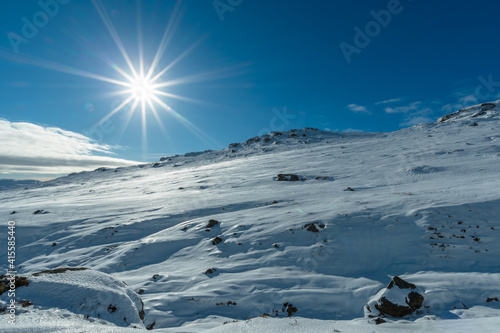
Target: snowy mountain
(11, 183)
(302, 231)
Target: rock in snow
(399, 299)
(287, 177)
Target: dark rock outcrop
(313, 227)
(212, 223)
(287, 177)
(487, 106)
(289, 308)
(216, 240)
(399, 299)
(6, 280)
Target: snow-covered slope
(12, 183)
(423, 205)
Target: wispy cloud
(389, 101)
(403, 109)
(468, 99)
(32, 149)
(421, 116)
(358, 108)
(345, 130)
(413, 113)
(464, 99)
(351, 130)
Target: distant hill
(11, 183)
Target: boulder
(487, 106)
(252, 140)
(313, 227)
(399, 299)
(287, 177)
(212, 223)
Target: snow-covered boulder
(85, 292)
(399, 299)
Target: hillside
(12, 183)
(216, 237)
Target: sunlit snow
(424, 206)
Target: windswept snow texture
(423, 206)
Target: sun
(142, 79)
(142, 89)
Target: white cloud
(345, 130)
(416, 120)
(449, 108)
(418, 117)
(463, 101)
(358, 108)
(403, 109)
(351, 130)
(32, 149)
(388, 101)
(468, 100)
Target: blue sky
(240, 68)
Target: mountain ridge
(269, 142)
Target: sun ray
(115, 110)
(186, 99)
(47, 64)
(128, 117)
(122, 72)
(202, 77)
(167, 36)
(111, 29)
(144, 128)
(192, 128)
(98, 53)
(176, 60)
(159, 121)
(139, 40)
